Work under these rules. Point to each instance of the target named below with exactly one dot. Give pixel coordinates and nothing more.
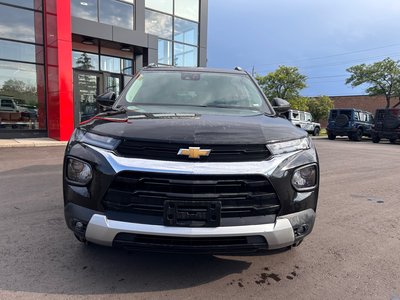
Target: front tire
(375, 139)
(357, 136)
(392, 141)
(316, 131)
(331, 136)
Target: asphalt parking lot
(353, 252)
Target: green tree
(84, 62)
(299, 103)
(383, 78)
(20, 90)
(319, 107)
(285, 82)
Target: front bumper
(99, 229)
(83, 204)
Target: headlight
(78, 171)
(101, 141)
(305, 178)
(289, 146)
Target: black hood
(197, 129)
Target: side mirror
(280, 106)
(107, 99)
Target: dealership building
(57, 55)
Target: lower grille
(185, 244)
(146, 193)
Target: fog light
(305, 178)
(78, 171)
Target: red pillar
(59, 87)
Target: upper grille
(169, 151)
(145, 193)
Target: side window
(361, 116)
(309, 117)
(356, 116)
(333, 114)
(295, 116)
(7, 103)
(302, 117)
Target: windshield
(194, 91)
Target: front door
(87, 85)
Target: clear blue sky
(320, 37)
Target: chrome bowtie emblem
(194, 152)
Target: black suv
(191, 159)
(350, 122)
(387, 125)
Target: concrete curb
(25, 143)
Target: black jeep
(350, 122)
(387, 125)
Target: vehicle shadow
(55, 263)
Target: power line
(366, 59)
(328, 56)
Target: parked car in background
(387, 125)
(303, 120)
(351, 122)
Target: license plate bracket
(192, 213)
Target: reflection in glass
(116, 13)
(22, 93)
(186, 31)
(19, 24)
(87, 89)
(188, 9)
(164, 52)
(158, 24)
(85, 61)
(85, 9)
(110, 64)
(160, 5)
(113, 85)
(185, 56)
(35, 4)
(127, 67)
(20, 51)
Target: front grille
(169, 152)
(131, 241)
(146, 193)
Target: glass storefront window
(158, 24)
(188, 9)
(127, 67)
(110, 64)
(184, 55)
(85, 9)
(35, 4)
(21, 52)
(85, 61)
(160, 5)
(22, 97)
(116, 13)
(164, 52)
(186, 31)
(21, 24)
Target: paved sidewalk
(33, 142)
